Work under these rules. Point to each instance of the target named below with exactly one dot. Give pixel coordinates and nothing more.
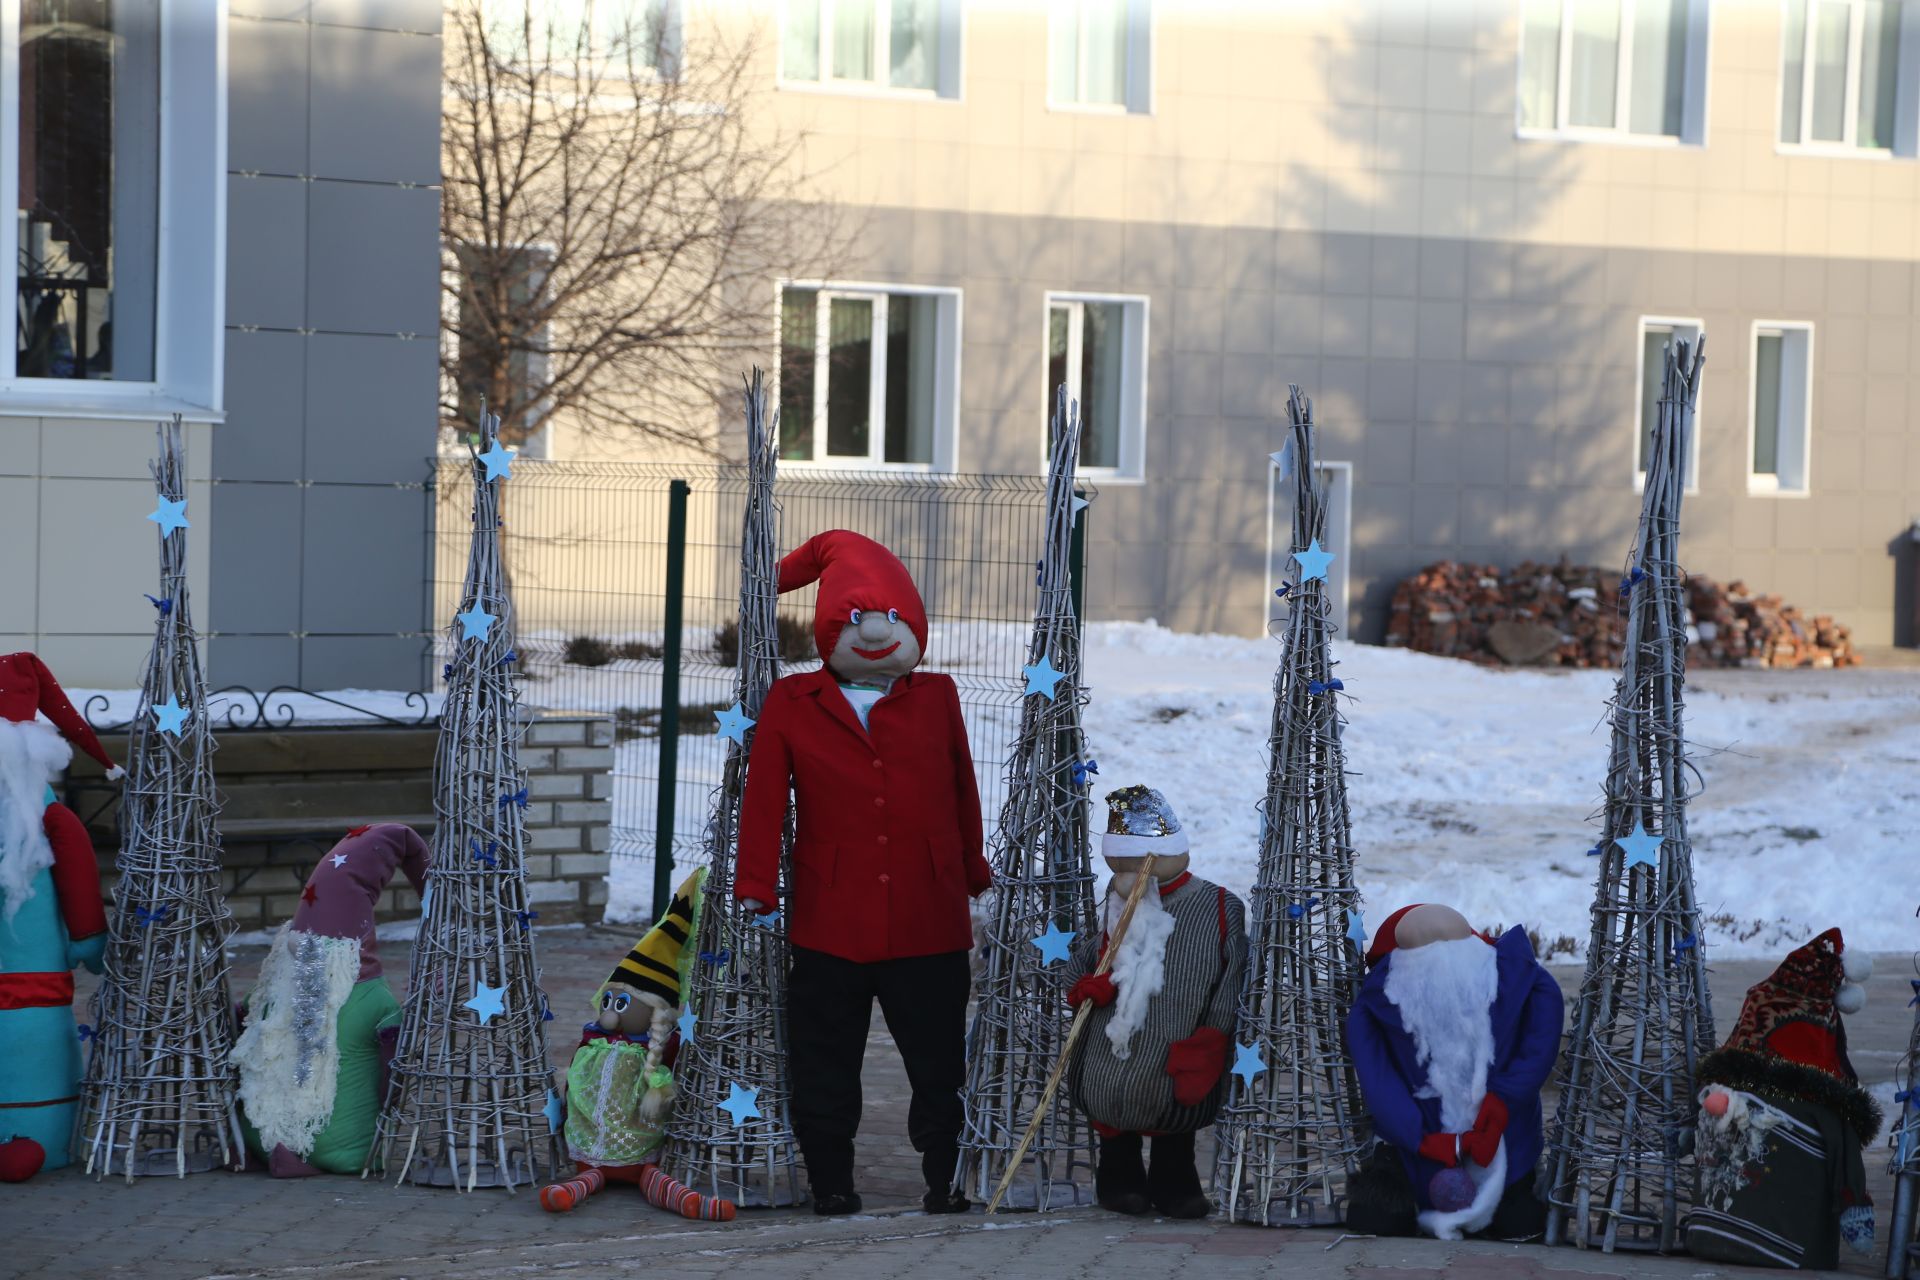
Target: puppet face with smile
(875, 645)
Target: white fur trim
(1120, 845)
(1139, 969)
(32, 755)
(1489, 1184)
(289, 1055)
(1444, 992)
(1850, 998)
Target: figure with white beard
(1453, 1036)
(1152, 1060)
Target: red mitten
(1441, 1148)
(1482, 1142)
(1196, 1064)
(1097, 987)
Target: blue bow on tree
(484, 855)
(447, 671)
(1632, 580)
(514, 797)
(715, 959)
(156, 916)
(509, 656)
(1916, 992)
(1687, 943)
(526, 918)
(546, 1014)
(1318, 687)
(1295, 909)
(86, 1032)
(1597, 849)
(164, 606)
(1081, 772)
(1282, 590)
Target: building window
(117, 191)
(1099, 54)
(1782, 408)
(1096, 348)
(906, 45)
(868, 376)
(501, 333)
(1630, 69)
(1848, 75)
(1656, 332)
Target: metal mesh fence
(586, 552)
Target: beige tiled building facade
(1460, 225)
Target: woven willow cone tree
(1043, 886)
(1903, 1242)
(1612, 1172)
(159, 1096)
(1293, 1124)
(470, 1102)
(738, 988)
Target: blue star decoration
(1080, 504)
(487, 1001)
(1313, 561)
(339, 859)
(170, 716)
(1042, 677)
(1357, 928)
(768, 920)
(1247, 1062)
(686, 1025)
(742, 1104)
(1053, 943)
(170, 515)
(734, 723)
(498, 462)
(1283, 460)
(475, 623)
(555, 1111)
(1641, 848)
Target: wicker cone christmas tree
(159, 1096)
(1903, 1243)
(1043, 888)
(1293, 1124)
(1612, 1171)
(731, 1135)
(471, 1101)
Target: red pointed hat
(854, 572)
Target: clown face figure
(875, 647)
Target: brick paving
(249, 1225)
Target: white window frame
(189, 342)
(946, 374)
(1694, 81)
(1136, 94)
(1906, 94)
(948, 79)
(1693, 327)
(1769, 486)
(1133, 376)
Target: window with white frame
(905, 45)
(1850, 75)
(1614, 68)
(1099, 53)
(1782, 408)
(501, 333)
(1656, 334)
(868, 375)
(1096, 348)
(118, 196)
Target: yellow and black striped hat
(652, 967)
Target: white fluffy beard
(289, 1055)
(1139, 969)
(31, 756)
(1445, 991)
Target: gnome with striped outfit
(1152, 1061)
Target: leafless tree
(614, 213)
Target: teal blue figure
(51, 918)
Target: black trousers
(829, 1010)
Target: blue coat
(1528, 1013)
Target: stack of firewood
(1568, 615)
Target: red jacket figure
(886, 853)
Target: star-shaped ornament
(768, 920)
(1313, 561)
(488, 1002)
(309, 895)
(170, 716)
(1053, 943)
(1641, 848)
(1080, 504)
(734, 723)
(339, 859)
(555, 1111)
(686, 1024)
(498, 462)
(1283, 460)
(742, 1104)
(475, 623)
(170, 515)
(1356, 928)
(1247, 1062)
(1042, 677)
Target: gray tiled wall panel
(370, 408)
(264, 431)
(376, 100)
(267, 96)
(255, 557)
(363, 565)
(373, 263)
(266, 252)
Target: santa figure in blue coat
(1453, 1036)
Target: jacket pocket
(816, 863)
(944, 859)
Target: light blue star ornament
(1313, 561)
(1247, 1062)
(475, 623)
(685, 1024)
(1053, 943)
(1042, 677)
(1357, 929)
(487, 1001)
(498, 462)
(742, 1104)
(339, 859)
(170, 716)
(1080, 504)
(1283, 460)
(1642, 849)
(555, 1111)
(734, 723)
(170, 515)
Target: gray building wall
(319, 518)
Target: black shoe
(834, 1204)
(1120, 1179)
(944, 1200)
(1173, 1184)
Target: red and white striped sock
(664, 1193)
(560, 1197)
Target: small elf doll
(311, 1056)
(620, 1084)
(51, 917)
(1783, 1121)
(1152, 1060)
(1453, 1037)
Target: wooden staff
(1073, 1033)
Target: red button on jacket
(875, 881)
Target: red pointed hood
(854, 572)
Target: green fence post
(670, 698)
(1077, 554)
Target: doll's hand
(116, 773)
(1482, 1142)
(1441, 1148)
(754, 905)
(1196, 1065)
(1097, 987)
